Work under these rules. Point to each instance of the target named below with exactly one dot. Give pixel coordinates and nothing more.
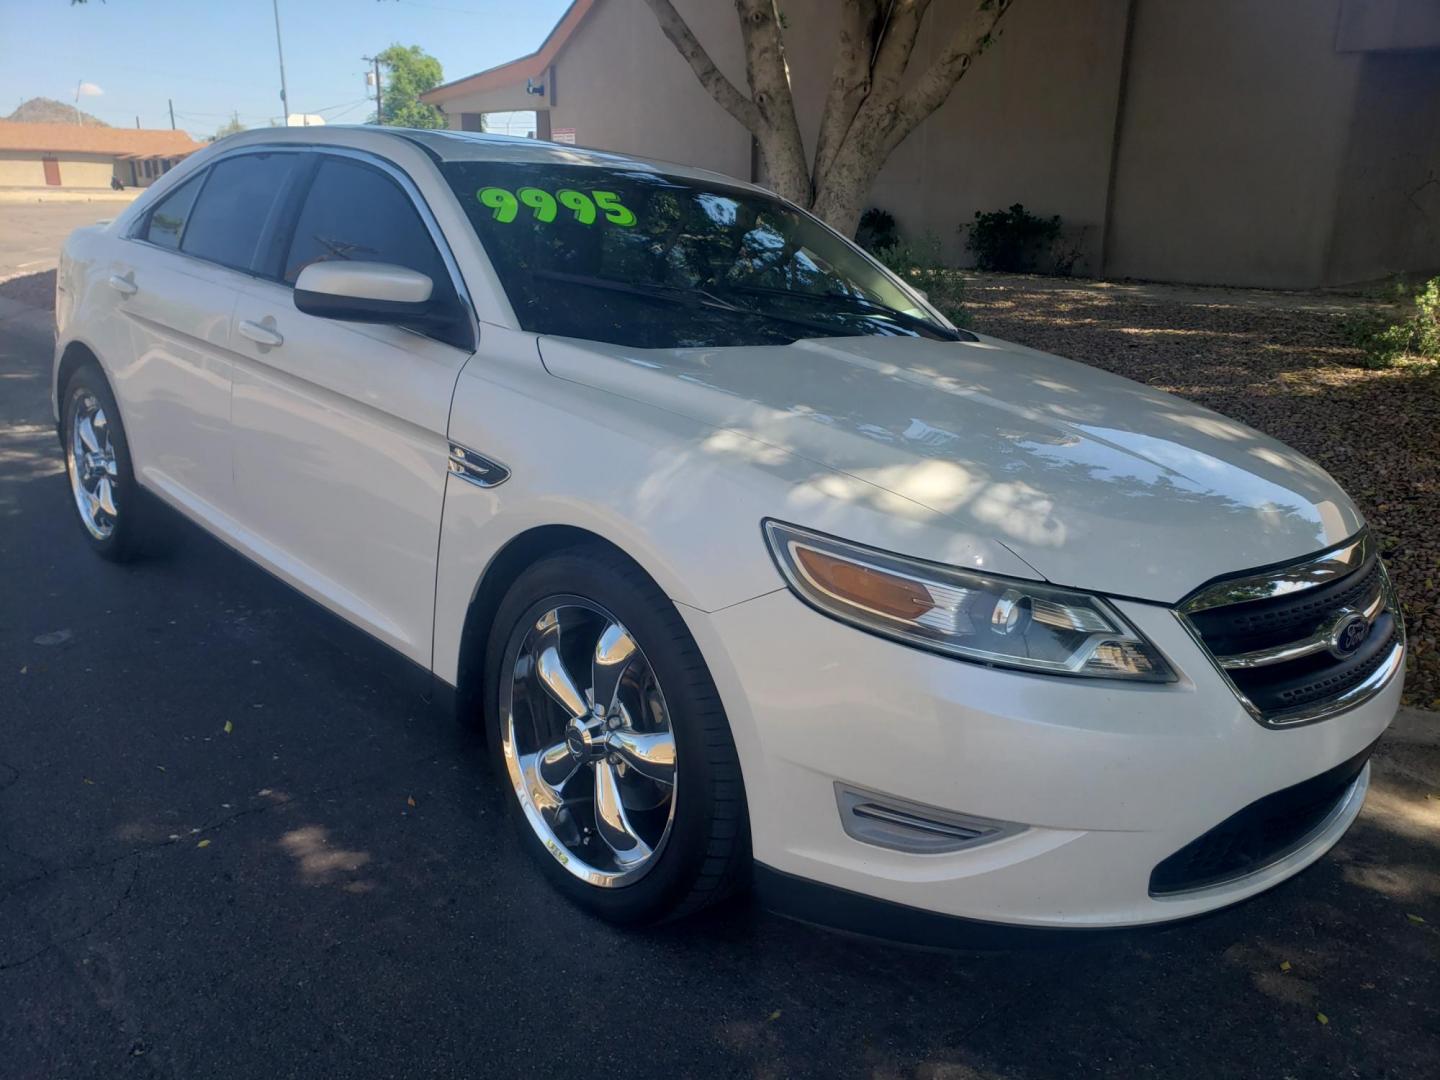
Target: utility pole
(379, 115)
(78, 85)
(284, 97)
(171, 103)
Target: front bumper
(1106, 779)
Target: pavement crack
(8, 781)
(59, 943)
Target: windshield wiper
(685, 295)
(844, 299)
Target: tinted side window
(231, 213)
(167, 219)
(355, 212)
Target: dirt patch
(1281, 367)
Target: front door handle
(124, 284)
(261, 335)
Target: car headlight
(992, 620)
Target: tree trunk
(867, 110)
(781, 148)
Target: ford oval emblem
(1351, 630)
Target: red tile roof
(83, 139)
(526, 67)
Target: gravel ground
(1278, 362)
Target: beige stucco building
(87, 156)
(1289, 143)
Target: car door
(177, 278)
(339, 429)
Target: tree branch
(768, 73)
(896, 46)
(673, 25)
(934, 86)
(860, 27)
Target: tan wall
(1031, 123)
(506, 99)
(1387, 218)
(1251, 150)
(1235, 128)
(622, 86)
(20, 169)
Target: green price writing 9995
(545, 207)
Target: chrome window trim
(1284, 580)
(394, 171)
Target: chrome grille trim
(1379, 608)
(1284, 580)
(1317, 642)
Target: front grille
(1304, 640)
(1242, 627)
(1261, 834)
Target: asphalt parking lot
(233, 844)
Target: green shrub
(919, 263)
(1013, 240)
(877, 230)
(1385, 342)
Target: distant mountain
(49, 111)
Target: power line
(351, 109)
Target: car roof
(446, 145)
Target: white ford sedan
(754, 567)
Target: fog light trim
(914, 828)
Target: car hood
(1093, 480)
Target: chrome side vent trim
(900, 825)
(476, 468)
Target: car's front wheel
(612, 742)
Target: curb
(30, 196)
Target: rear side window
(230, 215)
(167, 219)
(358, 213)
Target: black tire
(707, 855)
(137, 530)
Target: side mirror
(364, 292)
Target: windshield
(642, 259)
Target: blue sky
(215, 56)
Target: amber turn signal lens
(868, 588)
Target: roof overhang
(516, 71)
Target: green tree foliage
(923, 266)
(411, 71)
(233, 126)
(1414, 337)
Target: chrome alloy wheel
(587, 741)
(90, 461)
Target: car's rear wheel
(114, 518)
(612, 742)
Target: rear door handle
(124, 285)
(261, 335)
